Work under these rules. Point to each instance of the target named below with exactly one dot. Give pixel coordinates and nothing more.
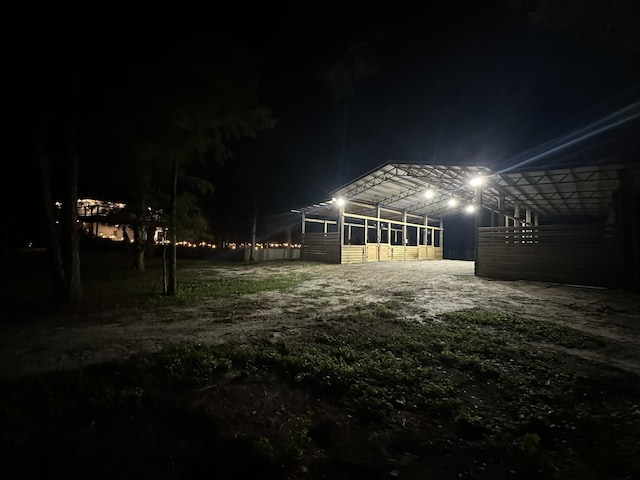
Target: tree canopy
(120, 100)
(610, 23)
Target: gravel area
(423, 290)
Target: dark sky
(456, 82)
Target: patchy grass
(194, 290)
(110, 284)
(364, 394)
(197, 282)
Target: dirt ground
(425, 288)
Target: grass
(110, 284)
(363, 393)
(471, 394)
(231, 286)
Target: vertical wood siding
(573, 254)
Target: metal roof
(583, 191)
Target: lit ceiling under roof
(578, 192)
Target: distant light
(339, 201)
(470, 208)
(476, 181)
(429, 194)
(452, 202)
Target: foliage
(188, 103)
(192, 224)
(613, 24)
(354, 65)
(347, 69)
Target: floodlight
(470, 208)
(452, 202)
(428, 194)
(340, 201)
(476, 181)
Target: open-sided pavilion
(569, 225)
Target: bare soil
(426, 289)
(343, 387)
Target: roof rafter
(581, 191)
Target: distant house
(94, 217)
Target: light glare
(476, 182)
(470, 208)
(452, 202)
(429, 194)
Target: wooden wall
(354, 253)
(369, 253)
(411, 253)
(572, 254)
(372, 252)
(321, 247)
(325, 247)
(429, 253)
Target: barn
(576, 225)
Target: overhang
(438, 190)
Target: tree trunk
(140, 266)
(70, 232)
(126, 240)
(173, 284)
(56, 267)
(139, 232)
(138, 249)
(252, 256)
(63, 237)
(164, 266)
(150, 244)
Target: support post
(404, 228)
(477, 219)
(495, 217)
(378, 233)
(366, 232)
(341, 231)
(426, 230)
(516, 223)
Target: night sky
(457, 83)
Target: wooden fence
(271, 254)
(572, 254)
(321, 247)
